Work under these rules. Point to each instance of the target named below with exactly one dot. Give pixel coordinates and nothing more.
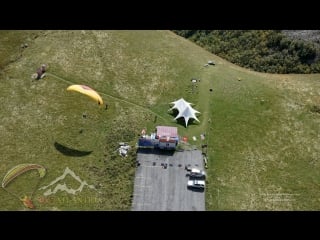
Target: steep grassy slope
(263, 140)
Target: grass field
(262, 132)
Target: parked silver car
(195, 172)
(195, 183)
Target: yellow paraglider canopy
(87, 91)
(21, 168)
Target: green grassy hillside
(262, 132)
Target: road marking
(147, 166)
(142, 203)
(142, 177)
(141, 186)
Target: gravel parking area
(161, 181)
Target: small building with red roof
(165, 137)
(168, 137)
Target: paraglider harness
(41, 72)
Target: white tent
(185, 110)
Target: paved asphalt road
(165, 189)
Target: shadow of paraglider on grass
(70, 151)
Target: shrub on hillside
(260, 50)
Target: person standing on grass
(40, 72)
